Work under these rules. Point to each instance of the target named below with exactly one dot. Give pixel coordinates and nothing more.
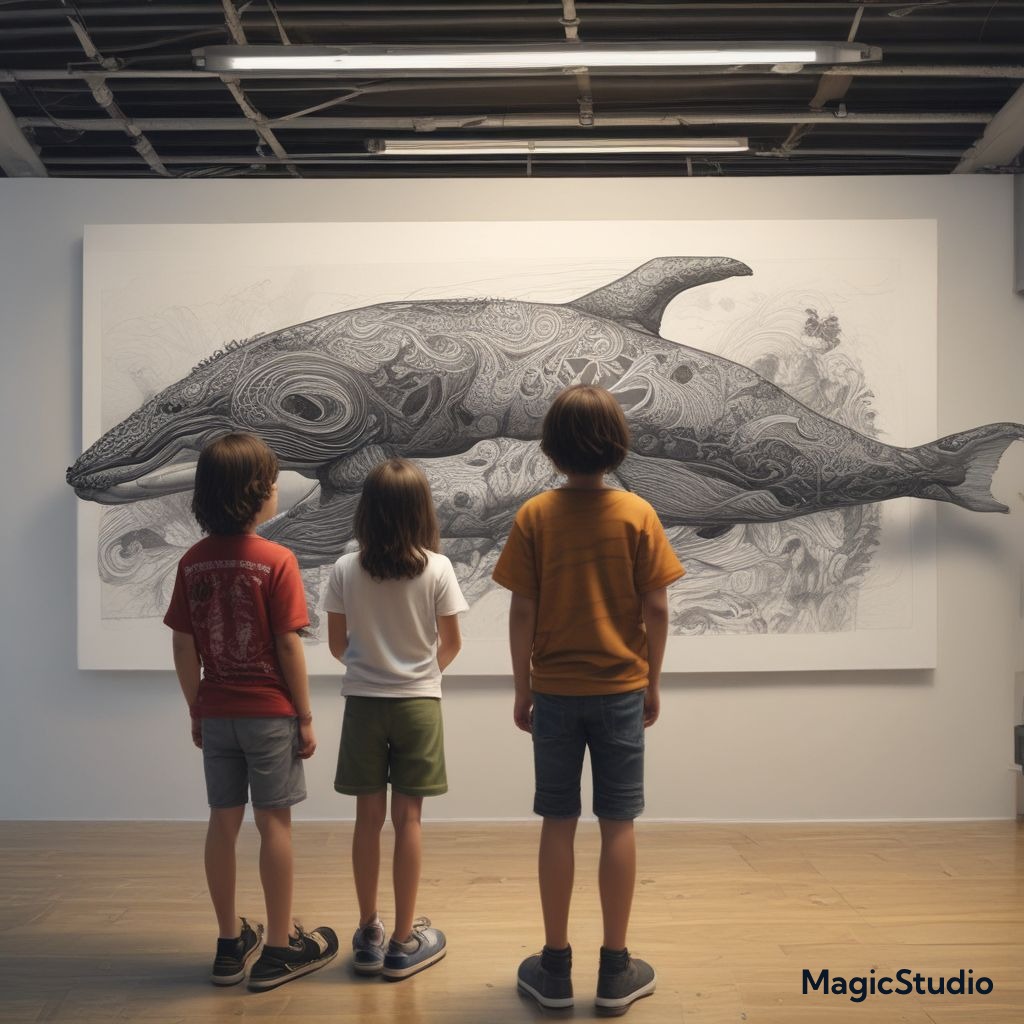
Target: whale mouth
(100, 487)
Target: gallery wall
(811, 745)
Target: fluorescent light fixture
(503, 146)
(525, 58)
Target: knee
(372, 820)
(405, 816)
(272, 821)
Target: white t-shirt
(392, 626)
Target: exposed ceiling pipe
(17, 157)
(234, 25)
(347, 158)
(585, 93)
(831, 89)
(1003, 140)
(997, 71)
(105, 98)
(497, 121)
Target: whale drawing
(715, 443)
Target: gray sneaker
(549, 990)
(425, 946)
(368, 948)
(618, 987)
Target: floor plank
(104, 922)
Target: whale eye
(304, 407)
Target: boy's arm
(655, 612)
(186, 665)
(337, 634)
(449, 640)
(292, 660)
(522, 625)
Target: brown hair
(585, 431)
(234, 476)
(395, 521)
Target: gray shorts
(257, 754)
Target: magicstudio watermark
(904, 982)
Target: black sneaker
(306, 953)
(550, 990)
(234, 955)
(621, 981)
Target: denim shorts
(257, 754)
(612, 727)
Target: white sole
(315, 965)
(545, 1001)
(615, 1007)
(367, 968)
(395, 974)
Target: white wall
(83, 745)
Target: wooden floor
(110, 922)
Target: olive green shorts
(392, 739)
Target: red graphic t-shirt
(234, 594)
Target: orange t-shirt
(586, 557)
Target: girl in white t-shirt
(392, 614)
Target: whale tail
(642, 295)
(962, 466)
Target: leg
(555, 871)
(406, 812)
(371, 810)
(221, 835)
(616, 878)
(275, 826)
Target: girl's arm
(449, 640)
(337, 634)
(292, 659)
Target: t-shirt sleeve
(516, 569)
(178, 616)
(657, 565)
(288, 610)
(334, 598)
(448, 599)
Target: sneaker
(307, 952)
(368, 948)
(425, 946)
(621, 981)
(234, 955)
(550, 990)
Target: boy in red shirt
(237, 606)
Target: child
(392, 614)
(237, 604)
(587, 566)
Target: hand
(307, 741)
(522, 712)
(197, 732)
(652, 705)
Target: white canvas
(158, 299)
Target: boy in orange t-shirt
(588, 567)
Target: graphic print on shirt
(223, 597)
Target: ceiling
(102, 89)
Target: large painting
(779, 380)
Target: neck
(585, 481)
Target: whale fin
(965, 464)
(642, 295)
